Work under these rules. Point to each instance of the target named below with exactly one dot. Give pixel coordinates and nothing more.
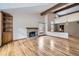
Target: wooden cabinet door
(7, 37)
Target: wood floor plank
(42, 46)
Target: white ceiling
(26, 7)
(18, 5)
(32, 7)
(70, 10)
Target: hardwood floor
(42, 46)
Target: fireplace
(32, 32)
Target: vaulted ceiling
(34, 8)
(26, 7)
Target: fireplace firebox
(32, 34)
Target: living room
(39, 29)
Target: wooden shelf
(7, 24)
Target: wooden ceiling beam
(59, 7)
(67, 7)
(54, 7)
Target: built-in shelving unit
(7, 24)
(6, 27)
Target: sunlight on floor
(52, 44)
(41, 42)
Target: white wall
(23, 20)
(68, 18)
(72, 28)
(41, 28)
(56, 34)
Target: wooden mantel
(31, 28)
